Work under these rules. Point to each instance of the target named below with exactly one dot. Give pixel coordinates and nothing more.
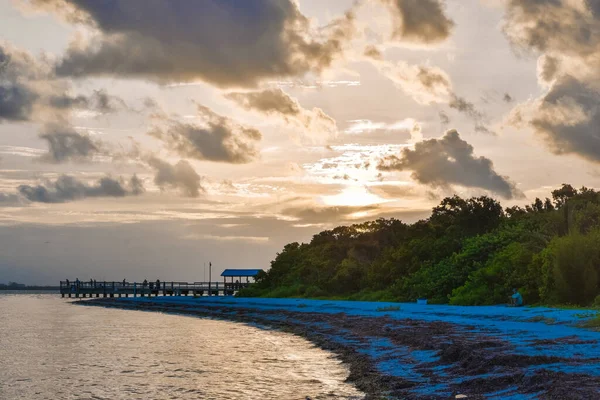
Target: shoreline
(423, 352)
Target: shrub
(574, 264)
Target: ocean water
(52, 349)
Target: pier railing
(125, 289)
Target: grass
(593, 323)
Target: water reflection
(50, 349)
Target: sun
(353, 196)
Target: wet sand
(425, 352)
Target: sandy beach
(412, 351)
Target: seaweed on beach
(412, 358)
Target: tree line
(468, 252)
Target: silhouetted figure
(516, 299)
(77, 282)
(158, 284)
(91, 282)
(94, 283)
(145, 283)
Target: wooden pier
(93, 288)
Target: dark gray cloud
(270, 101)
(373, 52)
(99, 101)
(136, 185)
(68, 188)
(65, 144)
(567, 35)
(224, 42)
(29, 91)
(422, 21)
(449, 160)
(181, 176)
(218, 139)
(16, 102)
(507, 98)
(463, 106)
(572, 28)
(16, 98)
(431, 78)
(548, 68)
(444, 118)
(277, 102)
(568, 117)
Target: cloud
(449, 160)
(569, 27)
(425, 84)
(99, 101)
(16, 102)
(548, 69)
(68, 188)
(465, 107)
(429, 85)
(318, 125)
(420, 21)
(218, 139)
(65, 144)
(16, 97)
(373, 52)
(407, 125)
(568, 117)
(224, 42)
(319, 214)
(11, 200)
(444, 118)
(29, 91)
(566, 35)
(136, 185)
(180, 176)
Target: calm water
(51, 349)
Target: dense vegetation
(470, 252)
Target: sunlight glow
(353, 196)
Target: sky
(142, 139)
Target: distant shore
(424, 352)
